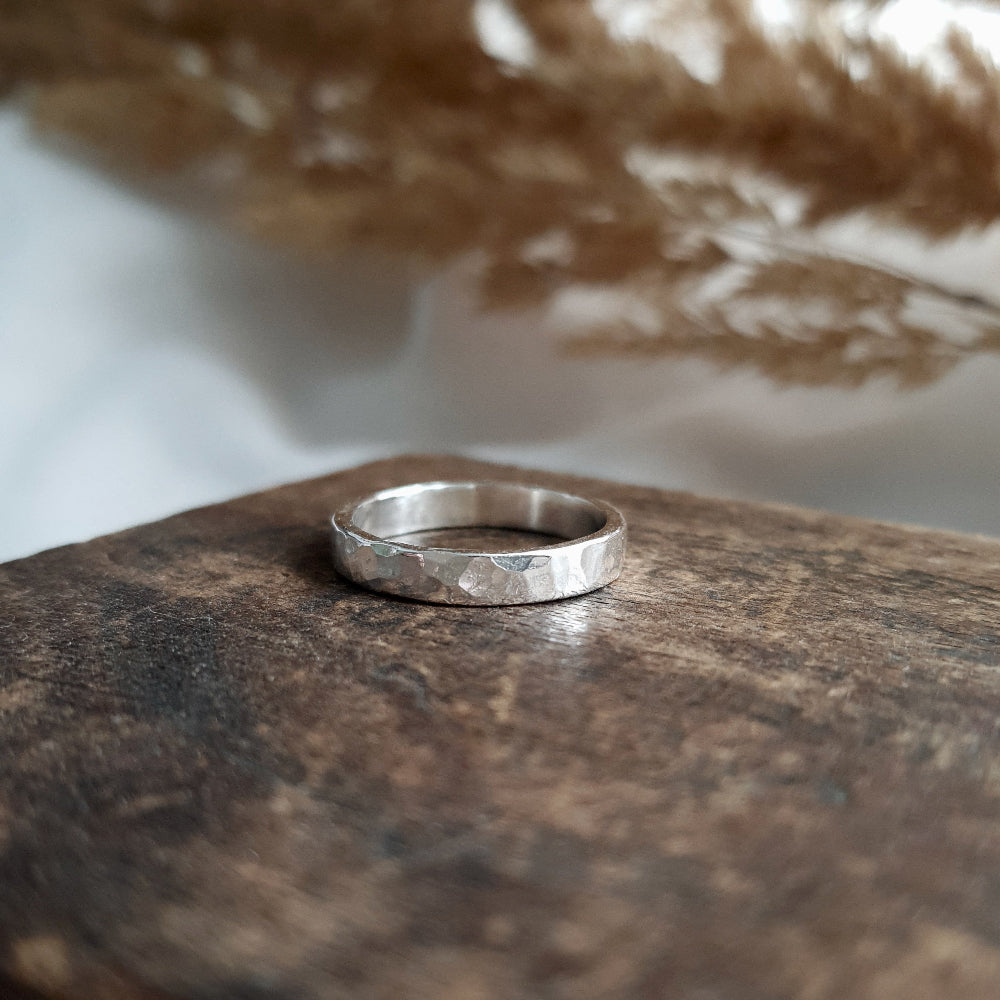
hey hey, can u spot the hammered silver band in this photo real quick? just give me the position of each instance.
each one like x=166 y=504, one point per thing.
x=366 y=548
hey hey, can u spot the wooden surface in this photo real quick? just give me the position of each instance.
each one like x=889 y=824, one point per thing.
x=763 y=764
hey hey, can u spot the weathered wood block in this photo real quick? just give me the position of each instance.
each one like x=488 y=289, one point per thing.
x=763 y=764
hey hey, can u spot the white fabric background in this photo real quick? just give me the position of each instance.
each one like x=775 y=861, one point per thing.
x=149 y=363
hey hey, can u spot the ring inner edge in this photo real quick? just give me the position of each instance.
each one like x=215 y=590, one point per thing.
x=515 y=507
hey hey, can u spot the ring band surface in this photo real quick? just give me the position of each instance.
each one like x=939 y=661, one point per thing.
x=365 y=549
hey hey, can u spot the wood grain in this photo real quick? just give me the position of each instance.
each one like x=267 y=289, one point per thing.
x=763 y=764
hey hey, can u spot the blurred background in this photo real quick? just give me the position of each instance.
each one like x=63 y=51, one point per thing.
x=151 y=362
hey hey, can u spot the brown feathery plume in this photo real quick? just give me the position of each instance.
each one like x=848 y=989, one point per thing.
x=663 y=174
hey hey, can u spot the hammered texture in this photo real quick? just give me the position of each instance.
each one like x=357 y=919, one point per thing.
x=446 y=576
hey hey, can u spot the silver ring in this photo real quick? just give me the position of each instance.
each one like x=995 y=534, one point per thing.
x=365 y=549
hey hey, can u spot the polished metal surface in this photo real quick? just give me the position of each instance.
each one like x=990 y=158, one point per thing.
x=367 y=548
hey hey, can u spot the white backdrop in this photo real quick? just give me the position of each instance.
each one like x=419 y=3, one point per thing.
x=149 y=363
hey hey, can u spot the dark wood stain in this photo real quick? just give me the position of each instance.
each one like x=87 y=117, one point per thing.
x=763 y=764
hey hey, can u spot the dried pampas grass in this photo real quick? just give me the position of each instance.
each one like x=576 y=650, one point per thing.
x=669 y=177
